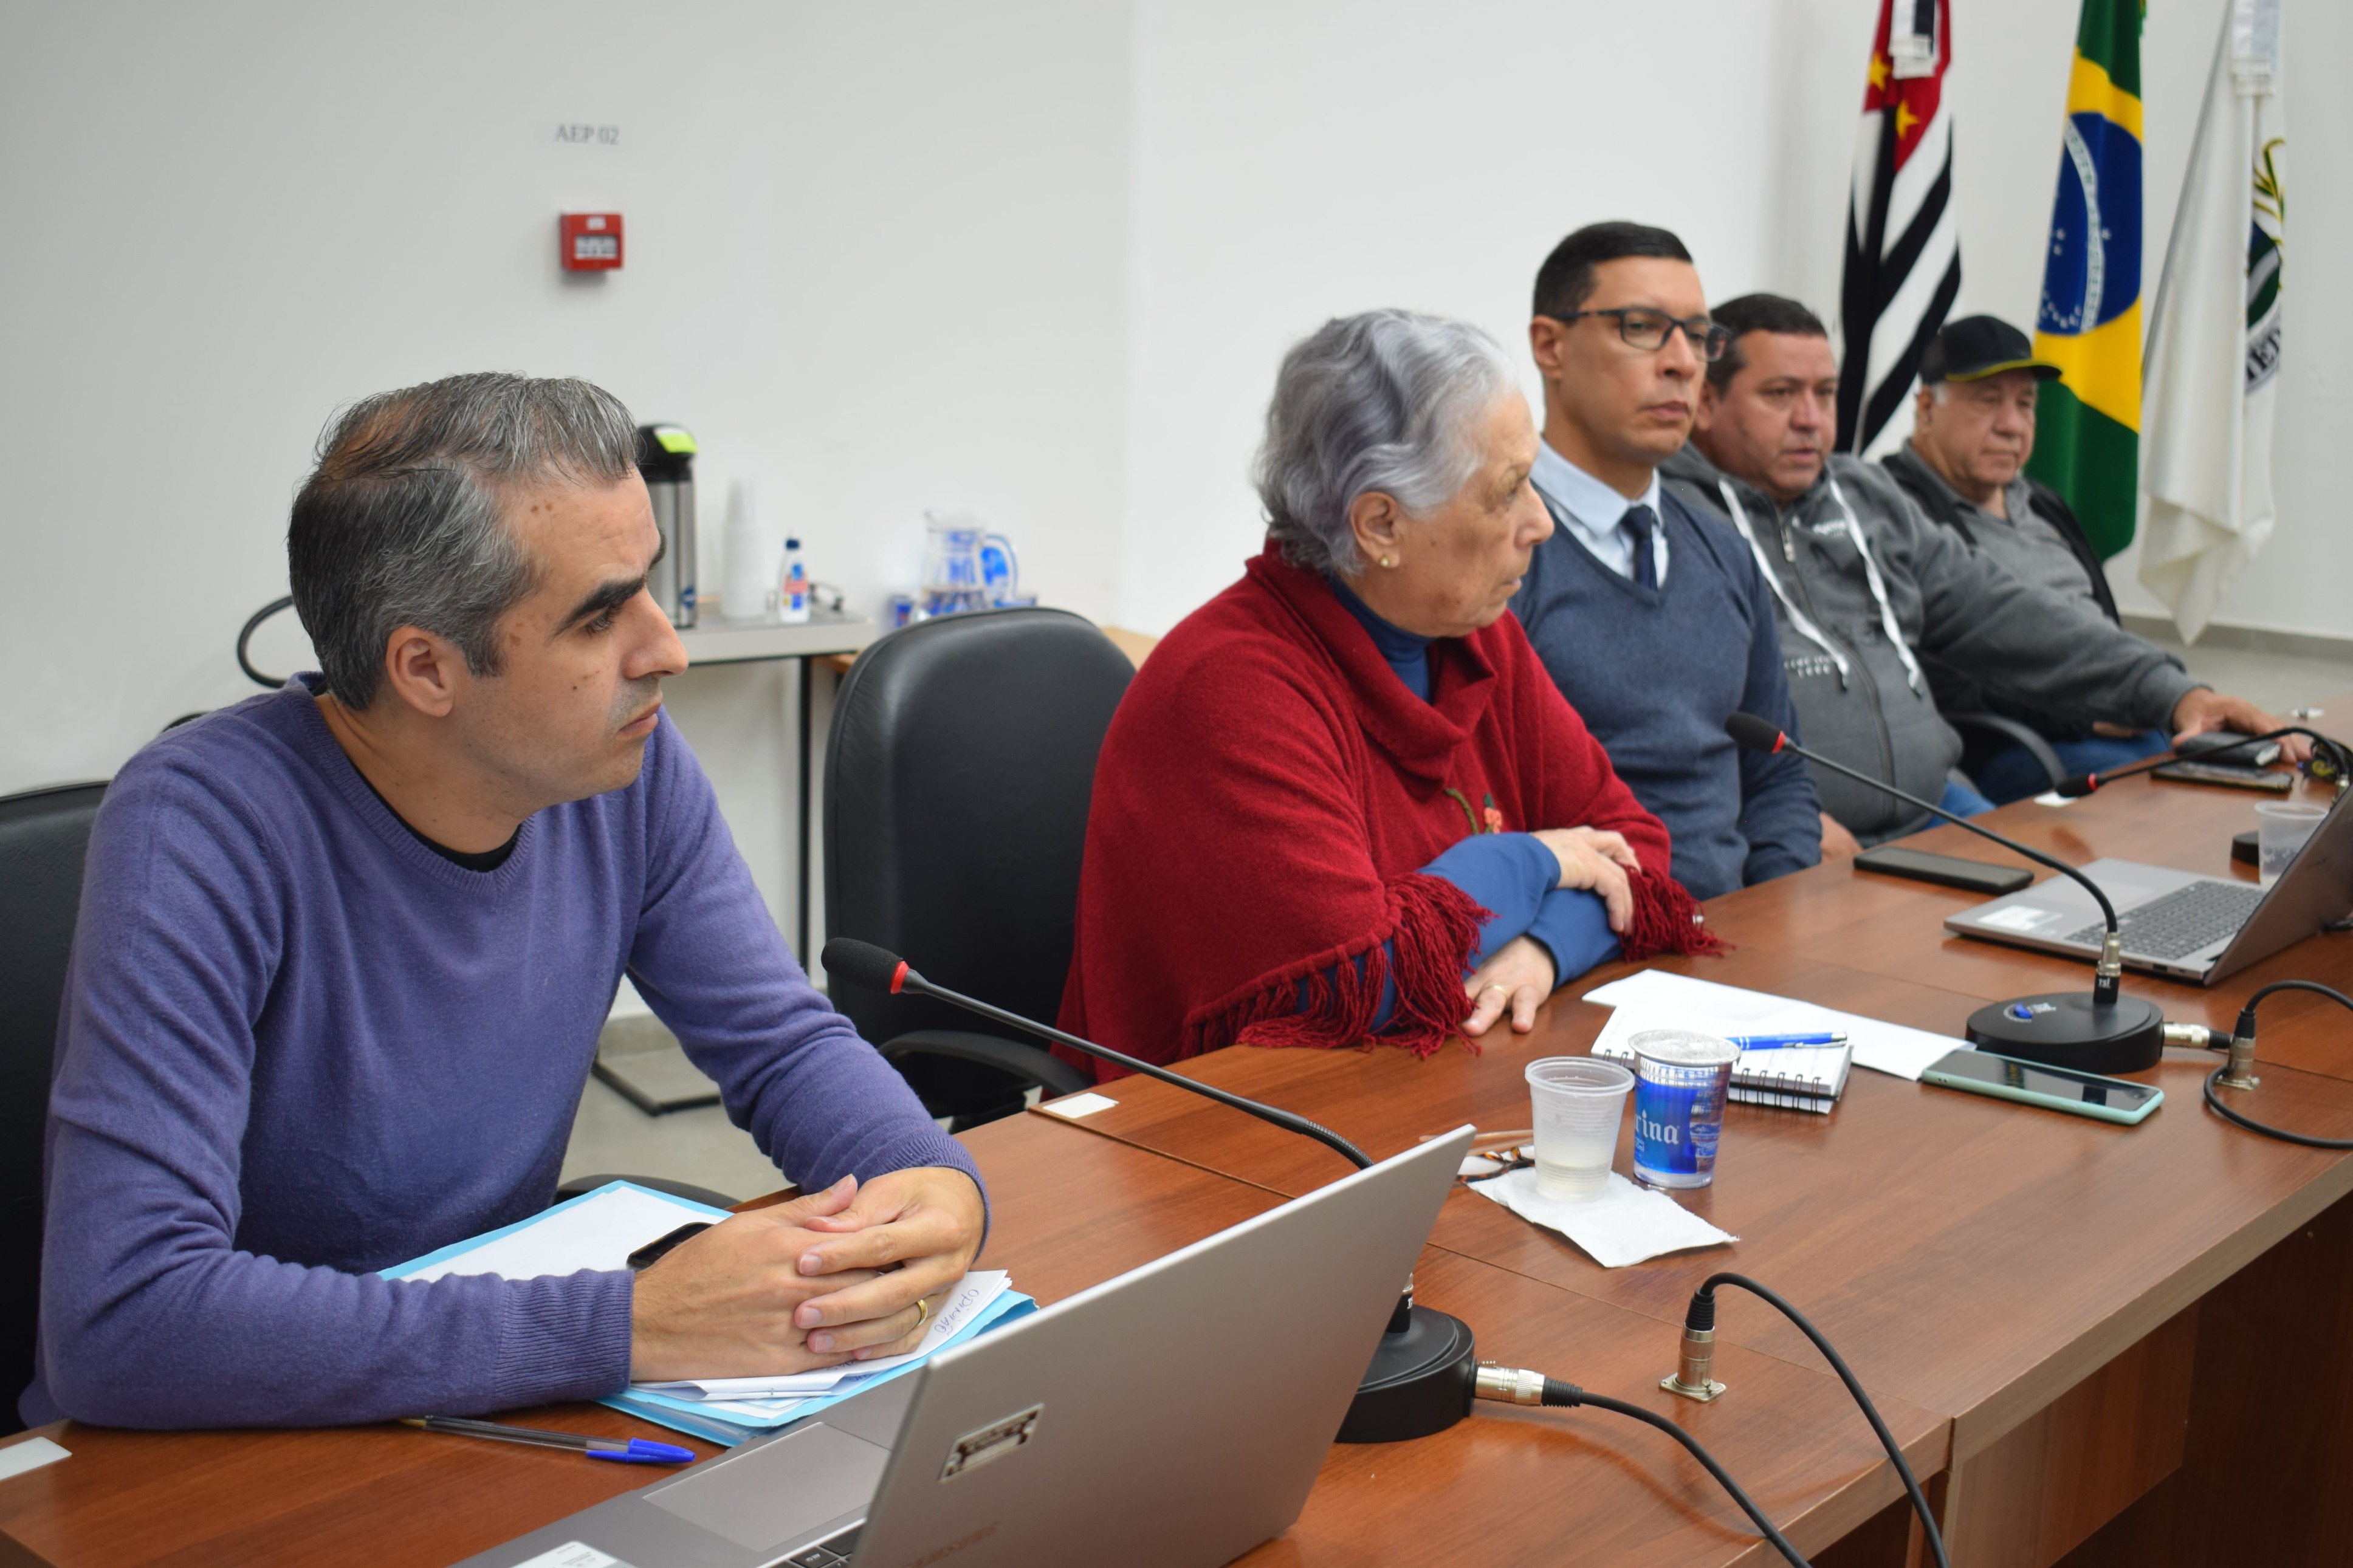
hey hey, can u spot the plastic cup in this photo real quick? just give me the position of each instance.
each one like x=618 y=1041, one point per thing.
x=1680 y=1079
x=2281 y=830
x=1579 y=1102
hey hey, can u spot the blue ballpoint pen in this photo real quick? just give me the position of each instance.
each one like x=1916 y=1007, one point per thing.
x=1781 y=1042
x=634 y=1451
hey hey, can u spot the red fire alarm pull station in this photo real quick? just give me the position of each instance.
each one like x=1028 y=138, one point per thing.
x=591 y=242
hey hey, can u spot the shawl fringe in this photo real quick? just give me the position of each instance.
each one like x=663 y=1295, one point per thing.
x=1666 y=919
x=1432 y=927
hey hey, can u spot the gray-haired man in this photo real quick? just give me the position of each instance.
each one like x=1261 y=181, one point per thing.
x=344 y=950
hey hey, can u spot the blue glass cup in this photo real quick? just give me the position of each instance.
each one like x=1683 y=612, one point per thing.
x=1681 y=1078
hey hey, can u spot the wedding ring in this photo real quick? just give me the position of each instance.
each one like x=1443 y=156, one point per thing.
x=1505 y=989
x=923 y=1311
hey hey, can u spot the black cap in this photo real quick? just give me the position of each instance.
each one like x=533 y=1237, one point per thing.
x=1976 y=347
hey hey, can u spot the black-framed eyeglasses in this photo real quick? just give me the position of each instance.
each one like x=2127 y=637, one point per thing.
x=1648 y=329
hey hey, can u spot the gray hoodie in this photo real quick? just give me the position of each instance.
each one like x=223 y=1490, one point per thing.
x=1871 y=595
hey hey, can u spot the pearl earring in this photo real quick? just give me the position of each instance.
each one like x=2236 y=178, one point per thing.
x=1389 y=560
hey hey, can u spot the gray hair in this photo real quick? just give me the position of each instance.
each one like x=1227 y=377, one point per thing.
x=1385 y=401
x=399 y=524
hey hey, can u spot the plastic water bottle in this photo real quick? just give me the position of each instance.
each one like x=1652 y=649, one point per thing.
x=792 y=587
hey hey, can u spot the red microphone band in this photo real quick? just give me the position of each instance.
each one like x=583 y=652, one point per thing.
x=898 y=977
x=1779 y=741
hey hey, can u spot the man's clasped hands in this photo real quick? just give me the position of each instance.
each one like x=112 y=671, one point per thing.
x=827 y=1278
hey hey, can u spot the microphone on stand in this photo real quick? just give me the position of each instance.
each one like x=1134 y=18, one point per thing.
x=1420 y=1380
x=2105 y=1032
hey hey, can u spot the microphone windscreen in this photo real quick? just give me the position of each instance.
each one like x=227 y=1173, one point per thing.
x=1753 y=732
x=2077 y=787
x=860 y=963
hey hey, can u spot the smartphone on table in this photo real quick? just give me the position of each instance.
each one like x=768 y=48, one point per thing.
x=2056 y=1089
x=1945 y=870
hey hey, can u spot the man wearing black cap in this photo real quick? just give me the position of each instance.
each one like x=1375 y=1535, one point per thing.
x=1965 y=465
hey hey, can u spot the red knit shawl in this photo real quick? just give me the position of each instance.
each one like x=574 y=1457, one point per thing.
x=1266 y=793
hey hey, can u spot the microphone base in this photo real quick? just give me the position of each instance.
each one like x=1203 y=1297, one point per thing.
x=2068 y=1029
x=1419 y=1382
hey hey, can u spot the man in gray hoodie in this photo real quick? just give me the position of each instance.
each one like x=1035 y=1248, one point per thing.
x=1870 y=595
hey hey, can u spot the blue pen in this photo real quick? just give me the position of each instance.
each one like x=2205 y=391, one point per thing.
x=1781 y=1042
x=634 y=1451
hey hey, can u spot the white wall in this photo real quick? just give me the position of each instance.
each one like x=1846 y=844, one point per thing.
x=1301 y=161
x=875 y=259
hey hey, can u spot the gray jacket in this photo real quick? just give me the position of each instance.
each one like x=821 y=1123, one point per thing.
x=1864 y=617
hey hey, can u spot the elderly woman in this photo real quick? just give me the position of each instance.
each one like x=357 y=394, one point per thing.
x=1343 y=801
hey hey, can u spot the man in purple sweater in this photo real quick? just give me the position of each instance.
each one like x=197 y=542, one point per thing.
x=344 y=950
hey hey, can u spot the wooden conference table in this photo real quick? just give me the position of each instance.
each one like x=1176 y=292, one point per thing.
x=2096 y=1344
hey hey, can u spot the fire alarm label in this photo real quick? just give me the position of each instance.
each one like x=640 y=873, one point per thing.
x=591 y=242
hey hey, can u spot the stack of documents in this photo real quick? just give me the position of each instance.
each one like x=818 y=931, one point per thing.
x=728 y=1410
x=1654 y=999
x=598 y=1231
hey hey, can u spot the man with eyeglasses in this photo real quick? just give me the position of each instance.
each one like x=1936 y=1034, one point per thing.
x=1874 y=599
x=1648 y=613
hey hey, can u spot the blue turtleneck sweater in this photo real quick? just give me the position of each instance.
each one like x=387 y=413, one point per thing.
x=1511 y=874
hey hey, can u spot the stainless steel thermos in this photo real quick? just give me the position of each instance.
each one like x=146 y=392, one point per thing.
x=666 y=457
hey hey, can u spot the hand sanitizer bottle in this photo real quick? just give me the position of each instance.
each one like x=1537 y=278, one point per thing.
x=792 y=587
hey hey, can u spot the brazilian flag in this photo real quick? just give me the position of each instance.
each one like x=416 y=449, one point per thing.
x=2088 y=440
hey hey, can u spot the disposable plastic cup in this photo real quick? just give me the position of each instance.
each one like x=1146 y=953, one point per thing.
x=1578 y=1103
x=1680 y=1079
x=2281 y=830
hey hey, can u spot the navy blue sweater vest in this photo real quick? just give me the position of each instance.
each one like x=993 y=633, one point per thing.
x=1655 y=672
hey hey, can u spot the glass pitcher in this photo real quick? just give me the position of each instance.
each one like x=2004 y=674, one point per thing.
x=966 y=566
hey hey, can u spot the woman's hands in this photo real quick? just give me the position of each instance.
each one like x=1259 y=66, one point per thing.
x=1597 y=861
x=1518 y=977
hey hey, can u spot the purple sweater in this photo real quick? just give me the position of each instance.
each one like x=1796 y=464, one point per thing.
x=297 y=1046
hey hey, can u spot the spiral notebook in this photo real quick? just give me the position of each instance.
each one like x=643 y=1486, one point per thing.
x=1798 y=1078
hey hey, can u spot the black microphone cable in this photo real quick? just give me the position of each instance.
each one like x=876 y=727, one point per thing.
x=246 y=636
x=1515 y=1386
x=1699 y=1343
x=2241 y=1044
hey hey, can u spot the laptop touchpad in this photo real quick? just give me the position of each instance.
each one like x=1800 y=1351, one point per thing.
x=795 y=1482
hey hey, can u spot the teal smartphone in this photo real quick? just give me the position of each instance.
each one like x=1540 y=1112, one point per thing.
x=2056 y=1089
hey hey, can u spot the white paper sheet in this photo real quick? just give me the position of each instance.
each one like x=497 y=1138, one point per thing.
x=1891 y=1049
x=1624 y=1224
x=599 y=1232
x=30 y=1454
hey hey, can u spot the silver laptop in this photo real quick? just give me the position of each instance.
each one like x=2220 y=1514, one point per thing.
x=1175 y=1415
x=2178 y=924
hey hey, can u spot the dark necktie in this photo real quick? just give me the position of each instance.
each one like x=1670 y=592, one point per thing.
x=1639 y=523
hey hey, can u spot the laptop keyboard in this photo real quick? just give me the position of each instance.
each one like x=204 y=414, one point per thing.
x=2180 y=922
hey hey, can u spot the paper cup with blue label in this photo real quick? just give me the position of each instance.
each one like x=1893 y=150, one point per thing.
x=1680 y=1079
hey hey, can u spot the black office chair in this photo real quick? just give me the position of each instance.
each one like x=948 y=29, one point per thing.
x=1983 y=734
x=956 y=785
x=44 y=838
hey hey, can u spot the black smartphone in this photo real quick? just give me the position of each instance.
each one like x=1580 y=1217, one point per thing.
x=1946 y=870
x=2222 y=746
x=2228 y=773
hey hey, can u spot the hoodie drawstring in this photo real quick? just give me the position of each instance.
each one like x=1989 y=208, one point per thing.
x=1887 y=622
x=1804 y=627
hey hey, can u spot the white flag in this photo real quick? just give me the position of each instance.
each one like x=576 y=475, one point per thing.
x=2214 y=345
